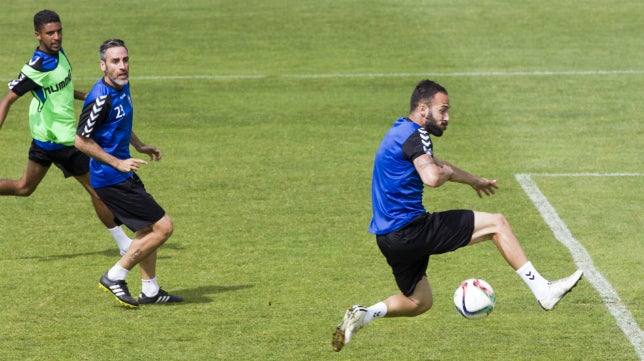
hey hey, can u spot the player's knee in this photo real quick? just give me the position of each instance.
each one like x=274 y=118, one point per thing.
x=164 y=227
x=24 y=190
x=501 y=222
x=424 y=306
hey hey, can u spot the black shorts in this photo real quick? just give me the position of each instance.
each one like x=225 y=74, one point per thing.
x=131 y=204
x=407 y=249
x=70 y=160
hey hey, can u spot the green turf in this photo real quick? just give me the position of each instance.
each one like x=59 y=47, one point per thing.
x=267 y=179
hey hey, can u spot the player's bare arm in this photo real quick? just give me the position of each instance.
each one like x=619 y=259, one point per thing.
x=152 y=151
x=432 y=172
x=435 y=170
x=8 y=99
x=92 y=149
x=479 y=184
x=79 y=95
x=484 y=186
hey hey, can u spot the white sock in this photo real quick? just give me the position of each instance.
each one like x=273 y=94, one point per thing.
x=538 y=285
x=378 y=310
x=117 y=273
x=122 y=240
x=150 y=288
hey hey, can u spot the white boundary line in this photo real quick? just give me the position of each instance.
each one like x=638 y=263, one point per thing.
x=588 y=174
x=582 y=258
x=386 y=75
x=469 y=74
x=382 y=75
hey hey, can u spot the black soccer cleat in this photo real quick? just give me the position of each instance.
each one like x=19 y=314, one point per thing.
x=161 y=297
x=119 y=290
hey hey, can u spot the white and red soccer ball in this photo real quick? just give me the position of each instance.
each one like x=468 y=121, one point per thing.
x=474 y=298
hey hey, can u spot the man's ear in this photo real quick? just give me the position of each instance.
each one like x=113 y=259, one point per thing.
x=423 y=109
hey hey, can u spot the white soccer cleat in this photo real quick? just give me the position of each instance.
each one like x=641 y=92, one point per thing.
x=558 y=289
x=352 y=321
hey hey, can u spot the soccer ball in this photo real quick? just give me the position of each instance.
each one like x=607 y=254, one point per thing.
x=474 y=298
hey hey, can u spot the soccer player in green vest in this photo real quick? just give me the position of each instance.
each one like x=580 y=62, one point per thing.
x=48 y=76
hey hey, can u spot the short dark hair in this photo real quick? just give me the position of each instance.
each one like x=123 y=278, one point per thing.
x=424 y=92
x=110 y=43
x=45 y=17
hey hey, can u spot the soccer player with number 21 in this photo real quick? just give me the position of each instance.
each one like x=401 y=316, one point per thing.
x=105 y=134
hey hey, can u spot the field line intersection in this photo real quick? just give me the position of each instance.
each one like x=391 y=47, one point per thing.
x=582 y=258
x=622 y=315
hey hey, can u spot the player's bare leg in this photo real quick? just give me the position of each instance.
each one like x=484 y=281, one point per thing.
x=146 y=242
x=105 y=215
x=398 y=305
x=27 y=184
x=495 y=227
x=152 y=237
x=142 y=251
x=418 y=303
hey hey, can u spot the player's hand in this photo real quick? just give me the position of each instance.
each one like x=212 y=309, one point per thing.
x=485 y=186
x=152 y=151
x=130 y=165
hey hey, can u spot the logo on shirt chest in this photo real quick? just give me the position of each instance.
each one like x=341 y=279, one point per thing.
x=59 y=86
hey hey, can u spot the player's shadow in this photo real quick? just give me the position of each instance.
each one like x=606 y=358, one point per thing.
x=112 y=253
x=203 y=294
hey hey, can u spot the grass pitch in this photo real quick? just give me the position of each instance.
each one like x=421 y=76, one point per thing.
x=269 y=114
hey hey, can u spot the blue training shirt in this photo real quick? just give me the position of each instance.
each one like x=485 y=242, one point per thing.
x=396 y=187
x=107 y=118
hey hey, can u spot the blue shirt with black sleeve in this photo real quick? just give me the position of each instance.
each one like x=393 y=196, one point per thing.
x=107 y=119
x=396 y=188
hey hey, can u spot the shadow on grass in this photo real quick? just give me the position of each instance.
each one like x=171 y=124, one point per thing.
x=112 y=253
x=202 y=294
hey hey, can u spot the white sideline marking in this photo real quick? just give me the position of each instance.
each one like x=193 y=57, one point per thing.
x=468 y=74
x=381 y=75
x=164 y=77
x=588 y=174
x=580 y=255
x=384 y=75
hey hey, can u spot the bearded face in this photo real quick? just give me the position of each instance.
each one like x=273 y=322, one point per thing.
x=437 y=116
x=433 y=126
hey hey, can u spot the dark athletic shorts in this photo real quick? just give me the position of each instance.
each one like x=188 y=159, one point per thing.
x=131 y=204
x=70 y=160
x=407 y=249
